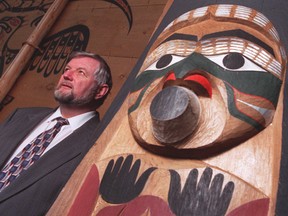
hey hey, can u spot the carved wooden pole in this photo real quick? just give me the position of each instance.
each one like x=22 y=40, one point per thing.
x=15 y=68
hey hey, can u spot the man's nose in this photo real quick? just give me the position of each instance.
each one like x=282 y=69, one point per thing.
x=68 y=75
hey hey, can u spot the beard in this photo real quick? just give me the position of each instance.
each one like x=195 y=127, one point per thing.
x=69 y=98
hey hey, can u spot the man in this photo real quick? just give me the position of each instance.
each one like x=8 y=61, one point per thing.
x=36 y=183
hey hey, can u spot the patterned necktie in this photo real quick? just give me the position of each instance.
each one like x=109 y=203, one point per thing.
x=31 y=153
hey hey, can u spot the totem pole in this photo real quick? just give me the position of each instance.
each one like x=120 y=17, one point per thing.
x=200 y=131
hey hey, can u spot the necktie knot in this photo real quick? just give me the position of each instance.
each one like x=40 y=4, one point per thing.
x=60 y=122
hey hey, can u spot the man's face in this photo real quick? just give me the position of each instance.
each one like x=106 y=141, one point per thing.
x=77 y=86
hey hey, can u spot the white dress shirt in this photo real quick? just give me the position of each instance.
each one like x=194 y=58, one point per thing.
x=74 y=123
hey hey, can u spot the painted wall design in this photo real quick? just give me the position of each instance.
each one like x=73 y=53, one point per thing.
x=12 y=23
x=84 y=29
x=16 y=16
x=53 y=52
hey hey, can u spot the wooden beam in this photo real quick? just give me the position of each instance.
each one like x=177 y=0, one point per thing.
x=15 y=68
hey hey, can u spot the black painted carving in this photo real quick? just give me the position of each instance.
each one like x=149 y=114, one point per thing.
x=120 y=184
x=8 y=99
x=164 y=61
x=233 y=61
x=203 y=199
x=8 y=26
x=24 y=6
x=54 y=50
x=125 y=7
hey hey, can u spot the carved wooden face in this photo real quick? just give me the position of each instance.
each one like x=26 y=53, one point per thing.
x=212 y=79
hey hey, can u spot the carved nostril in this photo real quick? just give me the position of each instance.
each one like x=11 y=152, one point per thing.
x=175 y=113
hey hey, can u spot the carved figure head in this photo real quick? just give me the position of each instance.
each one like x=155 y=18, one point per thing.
x=210 y=81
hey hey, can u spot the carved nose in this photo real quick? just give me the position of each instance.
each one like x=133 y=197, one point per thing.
x=175 y=113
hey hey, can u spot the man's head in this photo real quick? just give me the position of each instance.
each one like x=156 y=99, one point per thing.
x=85 y=82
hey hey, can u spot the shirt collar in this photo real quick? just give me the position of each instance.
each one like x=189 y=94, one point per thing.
x=76 y=121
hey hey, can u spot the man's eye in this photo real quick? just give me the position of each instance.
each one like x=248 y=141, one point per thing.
x=82 y=73
x=164 y=62
x=235 y=62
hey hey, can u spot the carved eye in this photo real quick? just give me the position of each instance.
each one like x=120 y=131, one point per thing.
x=164 y=62
x=235 y=62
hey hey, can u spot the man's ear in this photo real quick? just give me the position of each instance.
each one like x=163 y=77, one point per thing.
x=102 y=91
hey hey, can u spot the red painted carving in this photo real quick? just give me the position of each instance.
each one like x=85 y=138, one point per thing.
x=144 y=205
x=87 y=196
x=256 y=207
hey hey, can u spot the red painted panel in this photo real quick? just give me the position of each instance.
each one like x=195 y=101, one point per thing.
x=87 y=196
x=144 y=205
x=256 y=207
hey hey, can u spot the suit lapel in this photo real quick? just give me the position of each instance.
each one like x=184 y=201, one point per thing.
x=11 y=137
x=79 y=142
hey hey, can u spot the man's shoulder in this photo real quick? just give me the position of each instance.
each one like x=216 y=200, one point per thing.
x=34 y=109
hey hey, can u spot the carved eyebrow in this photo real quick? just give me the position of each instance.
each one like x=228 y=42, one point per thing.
x=241 y=34
x=234 y=33
x=178 y=36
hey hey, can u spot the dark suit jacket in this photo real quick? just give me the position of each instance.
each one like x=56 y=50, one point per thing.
x=35 y=190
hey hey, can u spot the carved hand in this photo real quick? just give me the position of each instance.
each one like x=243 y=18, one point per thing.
x=202 y=198
x=119 y=183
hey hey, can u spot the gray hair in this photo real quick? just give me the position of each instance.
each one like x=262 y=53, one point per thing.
x=103 y=74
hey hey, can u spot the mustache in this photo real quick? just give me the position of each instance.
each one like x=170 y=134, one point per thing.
x=64 y=83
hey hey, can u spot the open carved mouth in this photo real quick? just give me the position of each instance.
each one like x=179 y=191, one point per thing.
x=196 y=82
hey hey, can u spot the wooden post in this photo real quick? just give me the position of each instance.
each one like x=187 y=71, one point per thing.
x=15 y=68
